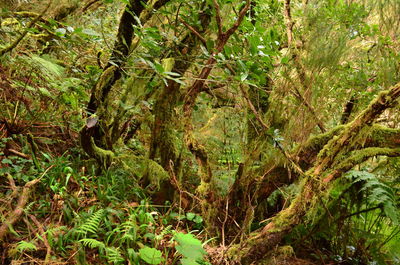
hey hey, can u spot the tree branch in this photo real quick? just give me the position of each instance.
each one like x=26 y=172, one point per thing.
x=195 y=32
x=30 y=24
x=218 y=17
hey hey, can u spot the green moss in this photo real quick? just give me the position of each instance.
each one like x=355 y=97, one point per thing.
x=359 y=156
x=155 y=173
x=105 y=157
x=316 y=142
x=168 y=64
x=105 y=79
x=141 y=166
x=204 y=188
x=383 y=136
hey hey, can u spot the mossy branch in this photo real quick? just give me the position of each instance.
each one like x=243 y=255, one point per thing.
x=20 y=38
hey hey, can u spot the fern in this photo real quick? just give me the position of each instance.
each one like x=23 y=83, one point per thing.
x=114 y=255
x=47 y=67
x=377 y=192
x=92 y=223
x=92 y=243
x=24 y=245
x=129 y=229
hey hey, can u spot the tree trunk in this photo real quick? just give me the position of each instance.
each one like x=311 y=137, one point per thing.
x=96 y=137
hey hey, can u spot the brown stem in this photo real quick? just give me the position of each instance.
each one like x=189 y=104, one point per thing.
x=195 y=32
x=43 y=234
x=289 y=22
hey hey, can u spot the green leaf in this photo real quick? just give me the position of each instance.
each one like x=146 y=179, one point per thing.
x=159 y=68
x=189 y=246
x=151 y=255
x=23 y=245
x=6 y=161
x=45 y=92
x=391 y=212
x=198 y=219
x=285 y=60
x=190 y=216
x=244 y=76
x=187 y=261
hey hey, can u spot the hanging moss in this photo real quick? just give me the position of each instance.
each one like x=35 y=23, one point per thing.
x=103 y=156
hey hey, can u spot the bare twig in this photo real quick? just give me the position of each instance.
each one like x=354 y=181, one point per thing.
x=15 y=152
x=302 y=75
x=289 y=22
x=45 y=241
x=294 y=165
x=224 y=222
x=218 y=17
x=242 y=13
x=19 y=209
x=310 y=108
x=12 y=186
x=195 y=32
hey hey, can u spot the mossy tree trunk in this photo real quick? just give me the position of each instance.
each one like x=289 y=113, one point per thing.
x=166 y=146
x=97 y=134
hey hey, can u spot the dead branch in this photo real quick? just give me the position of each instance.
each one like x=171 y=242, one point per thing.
x=15 y=152
x=43 y=234
x=319 y=177
x=198 y=86
x=12 y=186
x=19 y=209
x=289 y=22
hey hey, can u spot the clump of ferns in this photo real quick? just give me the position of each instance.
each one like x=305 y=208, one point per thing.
x=91 y=227
x=134 y=228
x=369 y=192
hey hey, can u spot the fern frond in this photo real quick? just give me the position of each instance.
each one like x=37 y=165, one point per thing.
x=92 y=223
x=114 y=255
x=92 y=243
x=24 y=246
x=377 y=192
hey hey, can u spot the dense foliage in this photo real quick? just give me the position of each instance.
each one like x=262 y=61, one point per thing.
x=199 y=132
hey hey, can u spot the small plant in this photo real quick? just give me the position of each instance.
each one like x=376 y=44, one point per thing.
x=190 y=248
